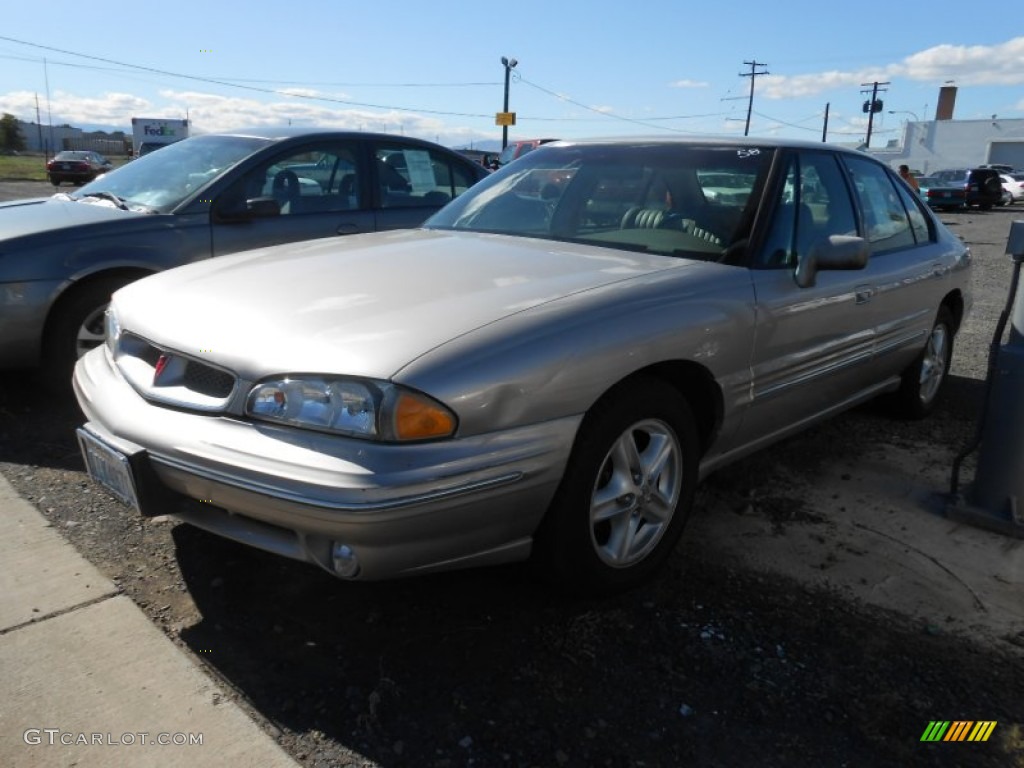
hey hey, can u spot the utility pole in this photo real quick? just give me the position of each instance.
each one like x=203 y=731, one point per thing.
x=752 y=74
x=824 y=127
x=506 y=118
x=39 y=126
x=875 y=105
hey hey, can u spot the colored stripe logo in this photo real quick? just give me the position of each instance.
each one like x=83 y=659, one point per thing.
x=959 y=730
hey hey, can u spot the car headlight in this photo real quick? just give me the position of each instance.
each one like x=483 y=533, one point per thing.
x=111 y=328
x=377 y=410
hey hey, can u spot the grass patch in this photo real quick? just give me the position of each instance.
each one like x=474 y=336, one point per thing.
x=23 y=167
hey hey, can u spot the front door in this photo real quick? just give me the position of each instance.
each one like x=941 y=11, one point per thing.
x=318 y=188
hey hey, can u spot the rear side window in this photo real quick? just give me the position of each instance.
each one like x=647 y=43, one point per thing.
x=887 y=225
x=413 y=176
x=920 y=222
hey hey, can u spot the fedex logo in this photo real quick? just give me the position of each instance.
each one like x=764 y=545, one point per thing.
x=163 y=130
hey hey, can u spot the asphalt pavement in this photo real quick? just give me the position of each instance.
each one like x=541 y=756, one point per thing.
x=89 y=680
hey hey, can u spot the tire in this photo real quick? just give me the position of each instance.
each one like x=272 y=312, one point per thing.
x=626 y=493
x=55 y=182
x=924 y=380
x=75 y=327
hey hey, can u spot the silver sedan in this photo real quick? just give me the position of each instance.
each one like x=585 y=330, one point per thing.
x=547 y=369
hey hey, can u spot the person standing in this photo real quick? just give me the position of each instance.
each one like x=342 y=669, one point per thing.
x=908 y=177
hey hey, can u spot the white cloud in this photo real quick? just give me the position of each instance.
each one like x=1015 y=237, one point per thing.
x=107 y=109
x=211 y=113
x=688 y=84
x=1001 y=64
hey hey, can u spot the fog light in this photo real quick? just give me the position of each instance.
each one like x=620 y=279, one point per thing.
x=346 y=564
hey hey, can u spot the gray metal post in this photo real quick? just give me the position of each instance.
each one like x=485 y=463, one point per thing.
x=997 y=495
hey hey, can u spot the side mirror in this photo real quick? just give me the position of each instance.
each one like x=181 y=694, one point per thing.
x=263 y=207
x=253 y=208
x=834 y=252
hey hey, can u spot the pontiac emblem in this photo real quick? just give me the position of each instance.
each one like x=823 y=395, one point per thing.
x=161 y=363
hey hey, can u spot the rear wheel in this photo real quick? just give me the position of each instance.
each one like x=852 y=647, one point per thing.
x=626 y=493
x=924 y=379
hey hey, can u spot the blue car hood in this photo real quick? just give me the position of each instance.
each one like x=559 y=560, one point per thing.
x=20 y=218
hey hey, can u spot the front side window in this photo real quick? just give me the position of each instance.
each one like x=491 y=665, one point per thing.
x=309 y=179
x=813 y=204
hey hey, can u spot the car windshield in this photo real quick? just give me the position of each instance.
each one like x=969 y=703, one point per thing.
x=160 y=181
x=669 y=199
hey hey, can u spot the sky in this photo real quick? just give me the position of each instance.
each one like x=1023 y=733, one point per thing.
x=434 y=71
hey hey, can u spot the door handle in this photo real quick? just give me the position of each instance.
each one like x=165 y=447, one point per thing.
x=347 y=229
x=864 y=293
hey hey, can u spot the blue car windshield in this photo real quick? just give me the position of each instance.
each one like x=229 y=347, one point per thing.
x=160 y=181
x=687 y=200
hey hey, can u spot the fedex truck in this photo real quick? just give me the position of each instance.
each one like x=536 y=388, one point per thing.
x=149 y=133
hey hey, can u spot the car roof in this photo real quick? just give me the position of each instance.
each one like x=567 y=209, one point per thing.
x=705 y=140
x=284 y=133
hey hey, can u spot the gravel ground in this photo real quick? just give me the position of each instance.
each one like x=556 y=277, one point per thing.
x=714 y=663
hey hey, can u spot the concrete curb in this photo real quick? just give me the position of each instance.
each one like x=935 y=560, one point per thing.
x=89 y=681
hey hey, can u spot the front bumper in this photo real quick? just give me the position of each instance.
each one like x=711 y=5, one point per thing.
x=401 y=509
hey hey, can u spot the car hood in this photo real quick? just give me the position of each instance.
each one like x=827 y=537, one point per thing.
x=21 y=218
x=361 y=305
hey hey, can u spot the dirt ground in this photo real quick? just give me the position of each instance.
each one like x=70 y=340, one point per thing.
x=820 y=610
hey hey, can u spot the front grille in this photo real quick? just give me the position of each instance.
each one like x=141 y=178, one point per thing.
x=206 y=380
x=166 y=376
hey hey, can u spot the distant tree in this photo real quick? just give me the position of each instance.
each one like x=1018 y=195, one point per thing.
x=10 y=133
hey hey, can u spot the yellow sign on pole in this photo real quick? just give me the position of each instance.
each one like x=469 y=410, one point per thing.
x=505 y=118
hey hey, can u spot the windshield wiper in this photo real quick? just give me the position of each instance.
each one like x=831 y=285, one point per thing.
x=104 y=195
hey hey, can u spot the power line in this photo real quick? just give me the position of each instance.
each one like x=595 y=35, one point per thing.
x=242 y=86
x=611 y=115
x=253 y=85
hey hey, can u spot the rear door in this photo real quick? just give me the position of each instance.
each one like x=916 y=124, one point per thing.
x=907 y=265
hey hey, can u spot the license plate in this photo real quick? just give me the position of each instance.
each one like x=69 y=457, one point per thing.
x=108 y=467
x=947 y=194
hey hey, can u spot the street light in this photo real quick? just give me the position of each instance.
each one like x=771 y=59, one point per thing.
x=509 y=65
x=904 y=112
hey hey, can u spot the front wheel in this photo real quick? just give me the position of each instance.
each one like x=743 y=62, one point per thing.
x=626 y=492
x=77 y=326
x=924 y=379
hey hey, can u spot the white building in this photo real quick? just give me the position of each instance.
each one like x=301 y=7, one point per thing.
x=933 y=145
x=936 y=144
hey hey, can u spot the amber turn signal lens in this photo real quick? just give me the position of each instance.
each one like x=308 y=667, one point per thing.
x=417 y=418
